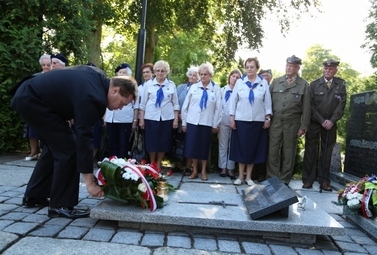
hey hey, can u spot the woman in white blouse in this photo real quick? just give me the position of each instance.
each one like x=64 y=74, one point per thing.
x=250 y=112
x=159 y=112
x=201 y=112
x=227 y=166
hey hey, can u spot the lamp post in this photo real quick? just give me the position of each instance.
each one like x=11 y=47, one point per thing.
x=141 y=43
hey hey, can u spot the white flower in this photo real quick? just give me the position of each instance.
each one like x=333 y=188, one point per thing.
x=118 y=161
x=142 y=187
x=356 y=195
x=128 y=174
x=353 y=203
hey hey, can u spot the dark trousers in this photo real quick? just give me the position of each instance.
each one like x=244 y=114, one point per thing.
x=315 y=138
x=55 y=174
x=119 y=135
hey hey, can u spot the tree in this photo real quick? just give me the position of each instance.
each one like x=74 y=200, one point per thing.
x=371 y=34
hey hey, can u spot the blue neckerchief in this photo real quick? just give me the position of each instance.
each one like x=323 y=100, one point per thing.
x=204 y=99
x=159 y=95
x=227 y=95
x=251 y=93
x=188 y=86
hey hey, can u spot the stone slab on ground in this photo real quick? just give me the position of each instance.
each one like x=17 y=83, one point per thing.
x=198 y=212
x=6 y=239
x=38 y=245
x=368 y=225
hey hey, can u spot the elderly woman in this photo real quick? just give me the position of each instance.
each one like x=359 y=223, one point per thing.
x=250 y=112
x=182 y=90
x=159 y=112
x=201 y=113
x=227 y=166
x=119 y=122
x=45 y=63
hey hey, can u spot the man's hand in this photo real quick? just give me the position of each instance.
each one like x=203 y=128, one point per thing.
x=93 y=189
x=300 y=133
x=327 y=124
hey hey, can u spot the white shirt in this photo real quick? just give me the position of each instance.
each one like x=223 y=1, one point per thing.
x=126 y=115
x=169 y=103
x=209 y=116
x=140 y=92
x=225 y=120
x=240 y=106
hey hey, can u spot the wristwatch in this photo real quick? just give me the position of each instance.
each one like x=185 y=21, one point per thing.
x=268 y=119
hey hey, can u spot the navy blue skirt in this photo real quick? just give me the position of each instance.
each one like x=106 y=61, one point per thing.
x=249 y=143
x=197 y=141
x=158 y=135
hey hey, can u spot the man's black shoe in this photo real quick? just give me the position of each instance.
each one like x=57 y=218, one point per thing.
x=67 y=213
x=35 y=202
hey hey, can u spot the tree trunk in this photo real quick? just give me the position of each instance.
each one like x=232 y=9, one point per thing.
x=94 y=41
x=150 y=45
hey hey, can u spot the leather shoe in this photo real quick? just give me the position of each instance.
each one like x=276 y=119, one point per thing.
x=307 y=185
x=35 y=202
x=326 y=187
x=65 y=212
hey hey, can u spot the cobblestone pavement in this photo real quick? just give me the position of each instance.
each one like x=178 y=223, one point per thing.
x=30 y=231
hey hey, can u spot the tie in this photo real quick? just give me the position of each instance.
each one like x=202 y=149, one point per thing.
x=160 y=96
x=289 y=81
x=329 y=84
x=204 y=99
x=251 y=93
x=227 y=95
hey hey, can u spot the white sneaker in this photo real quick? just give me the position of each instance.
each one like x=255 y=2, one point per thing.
x=30 y=158
x=238 y=182
x=250 y=182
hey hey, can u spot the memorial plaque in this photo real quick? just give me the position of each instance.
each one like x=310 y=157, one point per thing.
x=361 y=142
x=270 y=196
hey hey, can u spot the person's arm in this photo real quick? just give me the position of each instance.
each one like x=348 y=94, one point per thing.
x=93 y=189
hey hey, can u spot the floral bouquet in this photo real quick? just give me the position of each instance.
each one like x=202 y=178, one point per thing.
x=125 y=181
x=360 y=196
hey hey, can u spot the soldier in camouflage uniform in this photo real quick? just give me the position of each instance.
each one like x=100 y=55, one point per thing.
x=328 y=99
x=290 y=120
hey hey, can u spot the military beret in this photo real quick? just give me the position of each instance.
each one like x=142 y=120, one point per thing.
x=122 y=66
x=265 y=71
x=294 y=60
x=331 y=62
x=61 y=57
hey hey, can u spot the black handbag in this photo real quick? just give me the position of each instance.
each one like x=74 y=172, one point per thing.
x=176 y=152
x=138 y=148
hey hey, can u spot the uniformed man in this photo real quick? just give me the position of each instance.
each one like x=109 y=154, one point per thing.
x=290 y=120
x=266 y=74
x=328 y=99
x=45 y=102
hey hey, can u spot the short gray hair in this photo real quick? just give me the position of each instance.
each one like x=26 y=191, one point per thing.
x=162 y=64
x=207 y=66
x=192 y=69
x=45 y=56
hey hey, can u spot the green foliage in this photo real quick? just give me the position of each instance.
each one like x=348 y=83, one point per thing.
x=371 y=34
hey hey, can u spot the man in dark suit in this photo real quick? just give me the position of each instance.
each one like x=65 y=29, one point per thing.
x=328 y=99
x=46 y=102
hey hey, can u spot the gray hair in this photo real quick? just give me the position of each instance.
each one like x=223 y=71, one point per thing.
x=162 y=64
x=45 y=56
x=192 y=69
x=58 y=60
x=208 y=67
x=128 y=71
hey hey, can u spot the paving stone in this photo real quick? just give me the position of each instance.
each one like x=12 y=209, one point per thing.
x=43 y=210
x=21 y=228
x=180 y=251
x=6 y=239
x=354 y=232
x=347 y=224
x=14 y=216
x=6 y=188
x=279 y=249
x=37 y=218
x=372 y=249
x=153 y=239
x=327 y=252
x=47 y=231
x=7 y=207
x=84 y=222
x=88 y=202
x=179 y=241
x=72 y=232
x=207 y=244
x=127 y=237
x=256 y=248
x=11 y=193
x=15 y=201
x=102 y=235
x=3 y=199
x=303 y=251
x=229 y=246
x=344 y=238
x=39 y=245
x=5 y=223
x=58 y=221
x=350 y=247
x=26 y=209
x=362 y=240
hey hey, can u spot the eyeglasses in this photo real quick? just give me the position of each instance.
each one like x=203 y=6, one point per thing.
x=147 y=72
x=159 y=71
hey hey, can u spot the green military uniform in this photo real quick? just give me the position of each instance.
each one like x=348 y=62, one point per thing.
x=327 y=103
x=291 y=112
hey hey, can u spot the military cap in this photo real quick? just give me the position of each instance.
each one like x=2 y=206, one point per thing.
x=265 y=71
x=331 y=62
x=122 y=66
x=294 y=60
x=61 y=57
